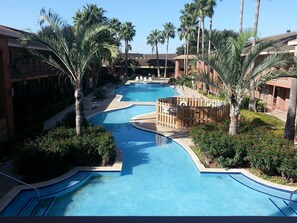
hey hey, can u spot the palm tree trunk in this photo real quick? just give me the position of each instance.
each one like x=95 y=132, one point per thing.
x=241 y=15
x=234 y=115
x=289 y=132
x=252 y=102
x=202 y=22
x=198 y=39
x=158 y=65
x=166 y=57
x=126 y=57
x=78 y=95
x=187 y=57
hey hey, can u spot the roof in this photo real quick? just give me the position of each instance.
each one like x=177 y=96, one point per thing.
x=10 y=32
x=282 y=42
x=149 y=56
x=142 y=63
x=182 y=57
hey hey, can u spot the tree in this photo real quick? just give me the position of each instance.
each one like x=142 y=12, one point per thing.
x=153 y=39
x=116 y=25
x=202 y=7
x=252 y=102
x=289 y=132
x=236 y=71
x=127 y=33
x=241 y=15
x=168 y=32
x=90 y=15
x=72 y=49
x=187 y=31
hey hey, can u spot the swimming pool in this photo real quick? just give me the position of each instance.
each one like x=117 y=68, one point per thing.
x=145 y=92
x=158 y=179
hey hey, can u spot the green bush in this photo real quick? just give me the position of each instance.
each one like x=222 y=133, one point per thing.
x=59 y=150
x=260 y=105
x=256 y=145
x=214 y=141
x=273 y=155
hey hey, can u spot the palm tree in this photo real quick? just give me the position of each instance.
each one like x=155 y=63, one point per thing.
x=116 y=25
x=289 y=132
x=187 y=31
x=90 y=15
x=153 y=39
x=168 y=32
x=241 y=15
x=73 y=51
x=210 y=13
x=252 y=102
x=127 y=33
x=202 y=7
x=236 y=72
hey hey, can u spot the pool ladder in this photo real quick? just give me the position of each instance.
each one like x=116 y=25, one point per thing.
x=19 y=181
x=291 y=196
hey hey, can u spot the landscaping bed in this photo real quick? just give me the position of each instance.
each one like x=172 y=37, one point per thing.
x=259 y=146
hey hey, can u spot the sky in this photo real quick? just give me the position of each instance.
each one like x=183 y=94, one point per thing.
x=276 y=16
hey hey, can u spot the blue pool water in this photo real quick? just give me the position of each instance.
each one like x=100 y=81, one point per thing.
x=158 y=179
x=145 y=92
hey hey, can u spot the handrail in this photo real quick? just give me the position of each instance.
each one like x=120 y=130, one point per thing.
x=291 y=196
x=28 y=185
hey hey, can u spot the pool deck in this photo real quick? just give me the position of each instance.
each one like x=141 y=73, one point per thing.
x=145 y=122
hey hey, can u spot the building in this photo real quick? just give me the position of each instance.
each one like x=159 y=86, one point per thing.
x=275 y=93
x=27 y=86
x=146 y=64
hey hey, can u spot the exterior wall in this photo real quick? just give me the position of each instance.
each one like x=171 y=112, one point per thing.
x=5 y=88
x=275 y=94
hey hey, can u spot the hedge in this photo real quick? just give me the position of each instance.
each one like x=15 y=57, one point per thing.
x=59 y=150
x=255 y=146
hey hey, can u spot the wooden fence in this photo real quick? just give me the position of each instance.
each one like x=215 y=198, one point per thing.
x=184 y=112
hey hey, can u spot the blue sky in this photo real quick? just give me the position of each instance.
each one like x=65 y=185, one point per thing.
x=276 y=16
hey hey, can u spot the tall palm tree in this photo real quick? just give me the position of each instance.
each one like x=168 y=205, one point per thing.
x=210 y=13
x=89 y=15
x=153 y=39
x=73 y=51
x=187 y=29
x=168 y=32
x=236 y=72
x=202 y=7
x=116 y=25
x=241 y=15
x=252 y=102
x=289 y=132
x=127 y=33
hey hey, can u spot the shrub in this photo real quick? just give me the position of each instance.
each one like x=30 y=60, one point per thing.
x=100 y=94
x=274 y=155
x=260 y=105
x=256 y=145
x=59 y=150
x=214 y=141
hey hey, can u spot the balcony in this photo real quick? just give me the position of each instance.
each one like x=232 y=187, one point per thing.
x=31 y=71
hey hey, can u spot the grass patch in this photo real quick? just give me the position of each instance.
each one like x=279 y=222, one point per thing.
x=273 y=179
x=264 y=118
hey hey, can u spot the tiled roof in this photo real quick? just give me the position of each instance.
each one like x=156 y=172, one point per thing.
x=282 y=40
x=10 y=32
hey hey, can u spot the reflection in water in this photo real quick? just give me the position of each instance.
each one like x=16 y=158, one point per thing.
x=161 y=141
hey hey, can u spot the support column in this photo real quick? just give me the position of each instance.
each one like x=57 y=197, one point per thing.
x=176 y=69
